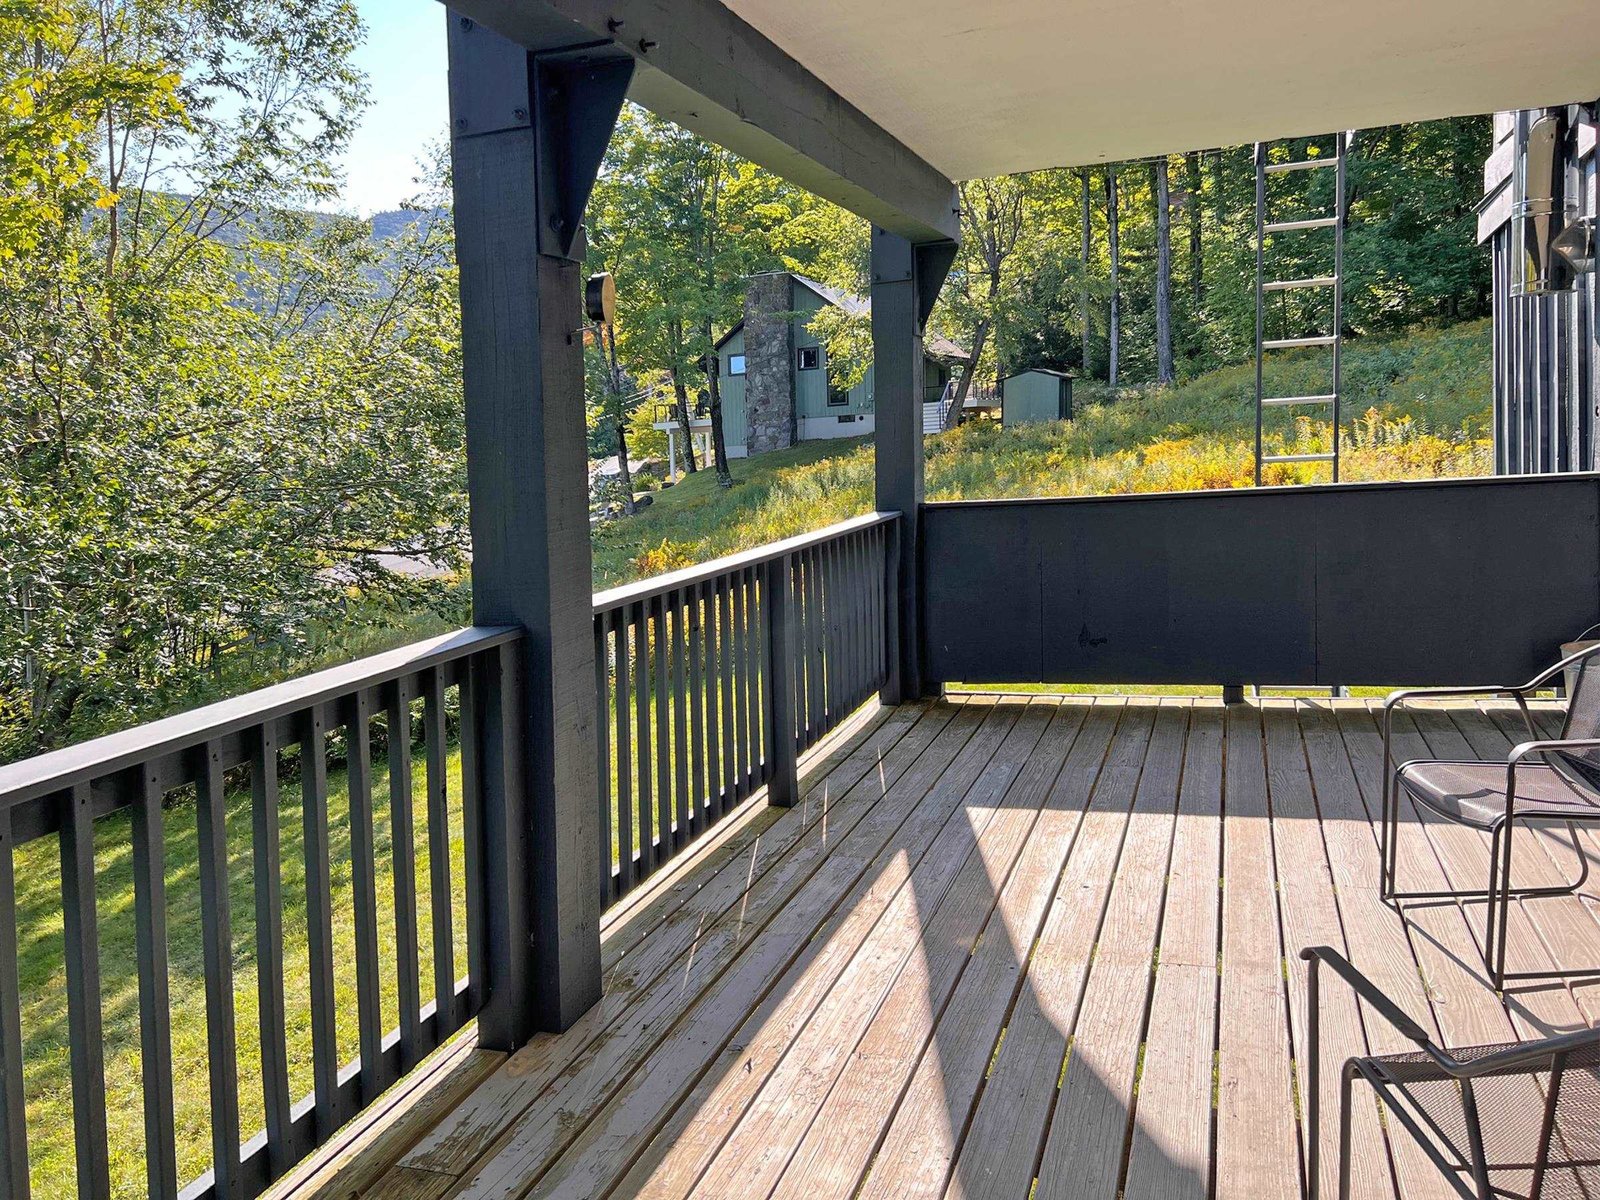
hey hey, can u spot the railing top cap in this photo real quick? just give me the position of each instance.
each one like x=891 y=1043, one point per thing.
x=60 y=769
x=644 y=589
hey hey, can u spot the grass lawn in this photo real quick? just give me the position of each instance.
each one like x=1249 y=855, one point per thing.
x=1417 y=406
x=43 y=976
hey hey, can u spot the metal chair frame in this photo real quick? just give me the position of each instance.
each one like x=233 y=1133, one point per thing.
x=1549 y=1054
x=1499 y=893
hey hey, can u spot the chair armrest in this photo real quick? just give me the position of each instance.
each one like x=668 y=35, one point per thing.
x=1528 y=1054
x=1368 y=991
x=1538 y=681
x=1529 y=749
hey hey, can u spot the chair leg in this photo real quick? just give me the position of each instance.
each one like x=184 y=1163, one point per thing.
x=1345 y=1082
x=1494 y=945
x=1490 y=895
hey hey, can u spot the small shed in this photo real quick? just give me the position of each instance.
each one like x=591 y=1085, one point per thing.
x=1037 y=394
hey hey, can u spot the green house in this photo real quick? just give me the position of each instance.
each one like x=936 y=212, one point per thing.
x=1035 y=395
x=773 y=370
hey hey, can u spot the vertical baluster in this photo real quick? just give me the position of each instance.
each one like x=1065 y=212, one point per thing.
x=155 y=1009
x=602 y=740
x=886 y=602
x=13 y=1109
x=766 y=694
x=796 y=614
x=812 y=639
x=471 y=698
x=444 y=958
x=715 y=748
x=845 y=650
x=832 y=607
x=363 y=872
x=268 y=877
x=216 y=931
x=403 y=858
x=683 y=804
x=861 y=573
x=627 y=872
x=752 y=678
x=319 y=921
x=638 y=618
x=661 y=669
x=86 y=1039
x=738 y=644
x=725 y=644
x=694 y=647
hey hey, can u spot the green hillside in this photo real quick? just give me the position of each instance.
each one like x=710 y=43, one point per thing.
x=1417 y=406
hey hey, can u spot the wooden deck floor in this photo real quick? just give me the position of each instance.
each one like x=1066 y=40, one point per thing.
x=1003 y=940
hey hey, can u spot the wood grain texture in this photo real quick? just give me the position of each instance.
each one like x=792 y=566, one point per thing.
x=1001 y=946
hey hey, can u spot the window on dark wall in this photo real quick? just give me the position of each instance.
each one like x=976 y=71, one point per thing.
x=838 y=397
x=808 y=358
x=735 y=364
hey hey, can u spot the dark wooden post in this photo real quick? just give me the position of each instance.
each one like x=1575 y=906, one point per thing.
x=529 y=125
x=783 y=789
x=906 y=278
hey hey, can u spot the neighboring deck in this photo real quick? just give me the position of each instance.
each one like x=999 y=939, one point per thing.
x=1000 y=939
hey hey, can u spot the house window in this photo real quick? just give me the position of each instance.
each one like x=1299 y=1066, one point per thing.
x=809 y=358
x=837 y=397
x=735 y=364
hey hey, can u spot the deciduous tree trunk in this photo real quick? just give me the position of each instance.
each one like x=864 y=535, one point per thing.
x=1164 y=372
x=1197 y=265
x=685 y=426
x=1083 y=259
x=620 y=413
x=1114 y=331
x=719 y=445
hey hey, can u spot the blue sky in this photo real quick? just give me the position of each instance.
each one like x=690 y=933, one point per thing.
x=404 y=59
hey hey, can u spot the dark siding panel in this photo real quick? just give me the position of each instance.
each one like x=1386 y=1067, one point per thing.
x=1417 y=583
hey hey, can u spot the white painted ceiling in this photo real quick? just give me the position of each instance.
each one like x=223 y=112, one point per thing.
x=985 y=88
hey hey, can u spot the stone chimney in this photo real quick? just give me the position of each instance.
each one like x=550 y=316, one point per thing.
x=769 y=361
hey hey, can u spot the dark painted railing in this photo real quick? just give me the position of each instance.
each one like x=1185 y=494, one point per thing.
x=208 y=753
x=712 y=680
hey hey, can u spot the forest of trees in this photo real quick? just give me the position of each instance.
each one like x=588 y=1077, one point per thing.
x=1128 y=273
x=222 y=408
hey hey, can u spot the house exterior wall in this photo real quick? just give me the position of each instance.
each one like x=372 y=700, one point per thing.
x=769 y=363
x=1546 y=396
x=735 y=419
x=1033 y=396
x=815 y=417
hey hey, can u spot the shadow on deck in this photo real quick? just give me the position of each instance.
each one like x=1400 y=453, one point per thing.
x=1004 y=945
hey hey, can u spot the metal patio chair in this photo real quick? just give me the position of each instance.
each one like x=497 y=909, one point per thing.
x=1520 y=1120
x=1562 y=787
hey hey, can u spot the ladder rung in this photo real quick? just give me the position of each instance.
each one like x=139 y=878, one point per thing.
x=1327 y=399
x=1290 y=458
x=1308 y=223
x=1304 y=164
x=1289 y=285
x=1297 y=343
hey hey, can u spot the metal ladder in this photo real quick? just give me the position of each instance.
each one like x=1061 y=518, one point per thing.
x=1264 y=286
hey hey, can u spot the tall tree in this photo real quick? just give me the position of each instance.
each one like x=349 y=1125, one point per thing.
x=992 y=221
x=1086 y=247
x=222 y=412
x=1197 y=265
x=1164 y=371
x=1114 y=249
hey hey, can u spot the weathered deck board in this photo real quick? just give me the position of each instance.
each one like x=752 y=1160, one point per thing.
x=1170 y=1155
x=1257 y=1148
x=1003 y=945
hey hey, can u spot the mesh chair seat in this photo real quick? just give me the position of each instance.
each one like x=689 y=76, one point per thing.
x=1474 y=793
x=1512 y=1107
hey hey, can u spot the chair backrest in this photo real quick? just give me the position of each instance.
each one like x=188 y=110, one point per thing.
x=1583 y=720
